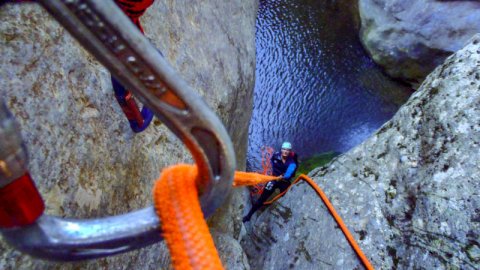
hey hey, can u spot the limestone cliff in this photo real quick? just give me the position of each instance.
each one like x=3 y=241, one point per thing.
x=409 y=193
x=410 y=38
x=83 y=156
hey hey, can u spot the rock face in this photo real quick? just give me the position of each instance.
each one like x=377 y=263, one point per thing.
x=409 y=194
x=83 y=156
x=410 y=38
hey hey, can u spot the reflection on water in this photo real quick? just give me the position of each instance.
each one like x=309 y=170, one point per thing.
x=315 y=85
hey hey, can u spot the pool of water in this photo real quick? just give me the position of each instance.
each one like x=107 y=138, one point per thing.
x=315 y=84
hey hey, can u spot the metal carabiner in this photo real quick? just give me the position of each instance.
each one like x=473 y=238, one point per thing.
x=103 y=29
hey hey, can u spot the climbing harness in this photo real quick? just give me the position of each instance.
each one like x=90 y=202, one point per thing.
x=102 y=28
x=107 y=33
x=139 y=120
x=257 y=190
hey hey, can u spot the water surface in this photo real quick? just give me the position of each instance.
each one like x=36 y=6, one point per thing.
x=315 y=85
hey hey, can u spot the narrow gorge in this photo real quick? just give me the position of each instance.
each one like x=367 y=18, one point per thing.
x=391 y=86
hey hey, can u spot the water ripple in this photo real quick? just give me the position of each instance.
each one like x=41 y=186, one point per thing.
x=315 y=85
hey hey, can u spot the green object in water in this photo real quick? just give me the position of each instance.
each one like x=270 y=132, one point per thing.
x=308 y=164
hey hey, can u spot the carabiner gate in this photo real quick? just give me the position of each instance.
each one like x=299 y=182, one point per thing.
x=102 y=28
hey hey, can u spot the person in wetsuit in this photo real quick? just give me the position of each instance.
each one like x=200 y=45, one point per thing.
x=284 y=163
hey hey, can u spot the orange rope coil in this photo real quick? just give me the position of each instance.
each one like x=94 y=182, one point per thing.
x=185 y=229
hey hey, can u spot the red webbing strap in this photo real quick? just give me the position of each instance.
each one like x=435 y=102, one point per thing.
x=134 y=9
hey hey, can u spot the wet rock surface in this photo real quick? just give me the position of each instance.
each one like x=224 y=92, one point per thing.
x=410 y=38
x=409 y=193
x=83 y=156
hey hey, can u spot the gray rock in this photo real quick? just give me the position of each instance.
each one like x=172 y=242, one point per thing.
x=410 y=38
x=409 y=193
x=83 y=156
x=232 y=255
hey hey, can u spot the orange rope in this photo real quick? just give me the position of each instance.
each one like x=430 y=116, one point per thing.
x=257 y=188
x=267 y=153
x=338 y=219
x=249 y=179
x=274 y=199
x=185 y=229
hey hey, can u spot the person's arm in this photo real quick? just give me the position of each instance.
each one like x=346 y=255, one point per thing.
x=289 y=173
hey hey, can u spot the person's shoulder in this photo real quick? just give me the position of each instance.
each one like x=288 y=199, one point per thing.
x=294 y=156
